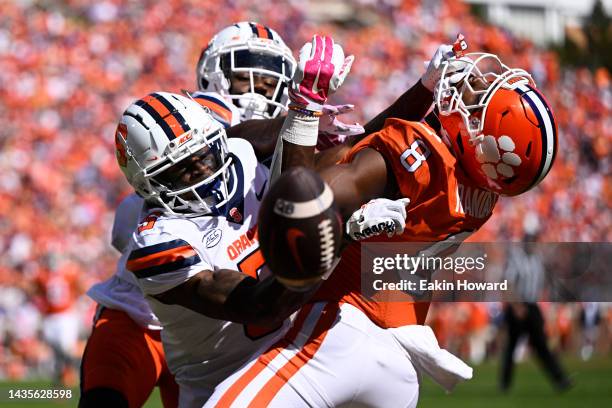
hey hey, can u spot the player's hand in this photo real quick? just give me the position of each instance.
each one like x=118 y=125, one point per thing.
x=322 y=68
x=330 y=123
x=445 y=52
x=378 y=216
x=333 y=131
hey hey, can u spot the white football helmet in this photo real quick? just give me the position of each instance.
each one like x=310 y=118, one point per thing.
x=247 y=48
x=155 y=134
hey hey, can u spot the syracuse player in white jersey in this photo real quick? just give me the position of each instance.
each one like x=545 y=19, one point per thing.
x=242 y=74
x=497 y=136
x=196 y=256
x=246 y=66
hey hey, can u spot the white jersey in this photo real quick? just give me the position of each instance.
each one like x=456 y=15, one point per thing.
x=126 y=220
x=121 y=291
x=170 y=249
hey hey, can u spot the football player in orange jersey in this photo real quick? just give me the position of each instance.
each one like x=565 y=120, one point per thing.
x=497 y=136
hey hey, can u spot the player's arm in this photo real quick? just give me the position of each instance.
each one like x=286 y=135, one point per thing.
x=233 y=296
x=298 y=134
x=411 y=106
x=416 y=101
x=366 y=177
x=261 y=133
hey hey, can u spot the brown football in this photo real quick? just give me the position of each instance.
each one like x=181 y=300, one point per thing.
x=299 y=227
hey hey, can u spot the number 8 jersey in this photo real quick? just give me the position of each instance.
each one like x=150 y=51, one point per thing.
x=445 y=207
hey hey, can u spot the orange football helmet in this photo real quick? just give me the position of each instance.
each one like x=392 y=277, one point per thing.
x=501 y=129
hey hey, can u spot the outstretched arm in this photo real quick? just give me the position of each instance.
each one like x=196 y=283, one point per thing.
x=233 y=296
x=412 y=106
x=416 y=101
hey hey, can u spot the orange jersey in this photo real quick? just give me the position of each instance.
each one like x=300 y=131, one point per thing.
x=58 y=290
x=444 y=203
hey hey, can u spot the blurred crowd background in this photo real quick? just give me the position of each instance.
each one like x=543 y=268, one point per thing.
x=69 y=68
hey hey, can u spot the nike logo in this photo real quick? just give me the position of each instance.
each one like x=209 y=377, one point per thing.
x=259 y=195
x=292 y=235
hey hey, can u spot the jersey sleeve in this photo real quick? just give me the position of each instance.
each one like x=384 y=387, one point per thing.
x=224 y=112
x=406 y=147
x=162 y=260
x=125 y=222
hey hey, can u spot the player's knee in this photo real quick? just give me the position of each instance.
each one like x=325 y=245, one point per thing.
x=103 y=397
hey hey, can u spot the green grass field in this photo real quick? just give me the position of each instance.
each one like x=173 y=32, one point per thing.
x=593 y=388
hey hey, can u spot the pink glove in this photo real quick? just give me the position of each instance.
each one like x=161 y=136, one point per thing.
x=322 y=68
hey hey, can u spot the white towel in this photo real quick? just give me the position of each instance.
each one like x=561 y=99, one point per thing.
x=427 y=357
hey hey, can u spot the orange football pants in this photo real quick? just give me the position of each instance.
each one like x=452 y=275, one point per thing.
x=122 y=355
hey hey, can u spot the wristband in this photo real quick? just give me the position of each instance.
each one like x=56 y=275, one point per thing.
x=305 y=111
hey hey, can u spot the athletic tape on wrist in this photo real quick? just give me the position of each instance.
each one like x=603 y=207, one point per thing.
x=300 y=129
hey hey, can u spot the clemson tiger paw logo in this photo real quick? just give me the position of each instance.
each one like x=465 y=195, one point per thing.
x=497 y=156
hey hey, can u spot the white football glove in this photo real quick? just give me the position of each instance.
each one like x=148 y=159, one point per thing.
x=330 y=123
x=332 y=130
x=378 y=216
x=321 y=70
x=445 y=52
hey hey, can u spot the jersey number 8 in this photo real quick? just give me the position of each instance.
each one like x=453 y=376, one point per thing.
x=413 y=157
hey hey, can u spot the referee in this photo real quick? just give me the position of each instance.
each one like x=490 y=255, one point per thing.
x=525 y=272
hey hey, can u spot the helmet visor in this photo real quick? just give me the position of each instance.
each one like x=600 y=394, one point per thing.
x=246 y=59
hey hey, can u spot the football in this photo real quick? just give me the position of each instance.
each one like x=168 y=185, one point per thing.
x=299 y=228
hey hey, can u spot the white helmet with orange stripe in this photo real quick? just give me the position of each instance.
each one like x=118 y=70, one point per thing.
x=249 y=64
x=175 y=154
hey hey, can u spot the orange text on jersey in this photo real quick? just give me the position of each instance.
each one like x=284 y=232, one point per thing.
x=246 y=241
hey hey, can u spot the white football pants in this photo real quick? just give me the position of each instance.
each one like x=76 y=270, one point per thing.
x=332 y=356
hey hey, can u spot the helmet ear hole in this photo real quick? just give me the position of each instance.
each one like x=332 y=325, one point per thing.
x=528 y=151
x=509 y=180
x=460 y=143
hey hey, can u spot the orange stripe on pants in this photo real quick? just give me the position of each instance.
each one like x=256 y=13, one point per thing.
x=284 y=374
x=232 y=393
